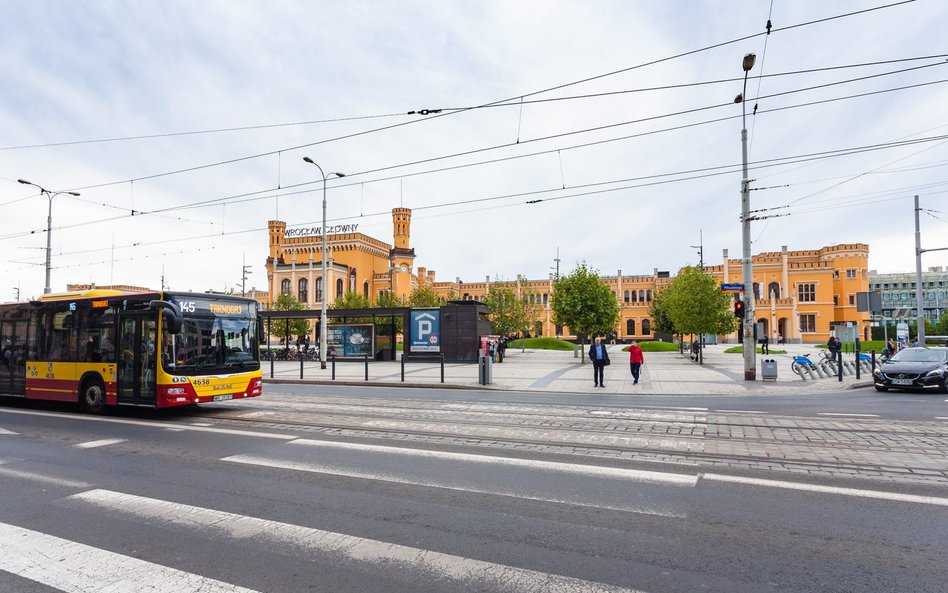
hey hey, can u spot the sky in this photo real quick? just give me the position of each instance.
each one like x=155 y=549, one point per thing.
x=602 y=131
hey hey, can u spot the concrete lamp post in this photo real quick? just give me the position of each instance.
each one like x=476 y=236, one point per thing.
x=750 y=353
x=323 y=333
x=49 y=223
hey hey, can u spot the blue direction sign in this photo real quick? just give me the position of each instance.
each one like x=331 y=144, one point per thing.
x=732 y=288
x=425 y=330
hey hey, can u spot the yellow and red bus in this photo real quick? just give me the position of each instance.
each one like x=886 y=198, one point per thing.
x=102 y=348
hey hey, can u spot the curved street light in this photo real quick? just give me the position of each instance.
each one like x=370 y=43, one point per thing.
x=323 y=333
x=49 y=222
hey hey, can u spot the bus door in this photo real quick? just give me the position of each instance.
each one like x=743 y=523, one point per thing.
x=13 y=357
x=136 y=363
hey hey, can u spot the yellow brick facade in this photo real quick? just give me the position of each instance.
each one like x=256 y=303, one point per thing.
x=801 y=295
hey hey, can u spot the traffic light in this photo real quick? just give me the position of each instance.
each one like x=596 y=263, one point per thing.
x=739 y=309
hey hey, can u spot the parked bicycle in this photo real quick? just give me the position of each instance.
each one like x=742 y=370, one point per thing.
x=801 y=364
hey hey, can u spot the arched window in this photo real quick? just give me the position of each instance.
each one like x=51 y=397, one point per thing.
x=757 y=291
x=286 y=287
x=303 y=292
x=626 y=295
x=546 y=298
x=773 y=290
x=630 y=327
x=635 y=297
x=641 y=296
x=352 y=280
x=365 y=289
x=646 y=327
x=319 y=290
x=340 y=288
x=648 y=295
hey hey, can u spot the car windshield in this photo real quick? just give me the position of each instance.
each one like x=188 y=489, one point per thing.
x=920 y=355
x=209 y=345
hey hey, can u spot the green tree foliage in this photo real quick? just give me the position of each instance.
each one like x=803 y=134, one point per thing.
x=390 y=299
x=423 y=296
x=584 y=303
x=296 y=327
x=661 y=322
x=506 y=310
x=941 y=328
x=353 y=300
x=695 y=304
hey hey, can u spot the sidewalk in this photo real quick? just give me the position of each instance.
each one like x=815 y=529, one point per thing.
x=558 y=371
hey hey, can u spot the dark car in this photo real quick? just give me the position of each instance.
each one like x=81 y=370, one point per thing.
x=914 y=368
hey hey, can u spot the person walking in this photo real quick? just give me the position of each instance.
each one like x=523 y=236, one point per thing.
x=765 y=345
x=600 y=359
x=636 y=360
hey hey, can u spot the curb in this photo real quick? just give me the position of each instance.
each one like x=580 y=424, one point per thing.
x=377 y=384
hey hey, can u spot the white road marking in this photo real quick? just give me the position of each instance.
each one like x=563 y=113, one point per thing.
x=828 y=489
x=941 y=417
x=77 y=568
x=5 y=431
x=391 y=478
x=373 y=554
x=847 y=415
x=100 y=443
x=598 y=471
x=22 y=475
x=87 y=418
x=740 y=411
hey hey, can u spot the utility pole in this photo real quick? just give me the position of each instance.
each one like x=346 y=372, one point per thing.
x=557 y=260
x=17 y=289
x=243 y=277
x=919 y=297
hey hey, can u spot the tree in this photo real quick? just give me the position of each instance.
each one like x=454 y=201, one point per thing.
x=695 y=304
x=584 y=303
x=354 y=300
x=389 y=299
x=282 y=328
x=506 y=309
x=423 y=296
x=661 y=322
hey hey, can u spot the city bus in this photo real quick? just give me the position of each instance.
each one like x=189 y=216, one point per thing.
x=104 y=348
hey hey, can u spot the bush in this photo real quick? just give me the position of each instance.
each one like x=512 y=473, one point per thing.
x=740 y=350
x=655 y=347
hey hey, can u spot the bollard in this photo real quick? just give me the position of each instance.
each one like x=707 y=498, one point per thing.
x=575 y=351
x=839 y=365
x=366 y=366
x=873 y=365
x=333 y=367
x=403 y=367
x=442 y=367
x=301 y=367
x=271 y=364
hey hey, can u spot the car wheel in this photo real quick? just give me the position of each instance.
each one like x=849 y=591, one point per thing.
x=881 y=388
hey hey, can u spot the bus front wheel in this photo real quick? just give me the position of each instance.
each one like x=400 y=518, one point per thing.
x=92 y=396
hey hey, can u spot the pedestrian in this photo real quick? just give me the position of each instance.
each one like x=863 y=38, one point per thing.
x=765 y=345
x=890 y=347
x=306 y=343
x=636 y=360
x=834 y=345
x=600 y=359
x=695 y=347
x=299 y=343
x=780 y=338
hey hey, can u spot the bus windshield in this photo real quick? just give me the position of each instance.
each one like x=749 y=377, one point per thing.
x=211 y=345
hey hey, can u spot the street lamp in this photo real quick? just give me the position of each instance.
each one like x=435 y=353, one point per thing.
x=750 y=353
x=322 y=318
x=49 y=222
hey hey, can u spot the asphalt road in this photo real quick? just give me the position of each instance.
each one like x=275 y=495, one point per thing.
x=354 y=490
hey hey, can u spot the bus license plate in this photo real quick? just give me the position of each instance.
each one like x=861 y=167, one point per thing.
x=902 y=381
x=220 y=398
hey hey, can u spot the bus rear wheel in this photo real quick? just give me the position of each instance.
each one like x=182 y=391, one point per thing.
x=92 y=396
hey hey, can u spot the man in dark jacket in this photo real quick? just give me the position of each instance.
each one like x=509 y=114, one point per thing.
x=600 y=358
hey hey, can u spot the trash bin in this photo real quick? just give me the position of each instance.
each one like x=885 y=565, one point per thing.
x=768 y=369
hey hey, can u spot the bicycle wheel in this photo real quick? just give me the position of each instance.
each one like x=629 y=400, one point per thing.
x=796 y=368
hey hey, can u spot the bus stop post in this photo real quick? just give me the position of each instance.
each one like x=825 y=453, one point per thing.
x=442 y=367
x=366 y=366
x=333 y=367
x=403 y=367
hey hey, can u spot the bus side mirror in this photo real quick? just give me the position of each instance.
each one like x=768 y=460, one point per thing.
x=172 y=315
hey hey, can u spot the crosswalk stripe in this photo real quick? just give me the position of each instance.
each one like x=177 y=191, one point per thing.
x=77 y=568
x=5 y=431
x=385 y=556
x=100 y=443
x=879 y=494
x=598 y=471
x=22 y=475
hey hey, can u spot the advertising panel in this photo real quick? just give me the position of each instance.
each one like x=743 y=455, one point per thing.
x=351 y=340
x=425 y=330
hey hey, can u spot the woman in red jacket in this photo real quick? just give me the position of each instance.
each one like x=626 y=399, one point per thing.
x=635 y=361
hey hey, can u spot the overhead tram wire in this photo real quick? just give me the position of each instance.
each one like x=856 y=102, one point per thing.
x=513 y=98
x=230 y=199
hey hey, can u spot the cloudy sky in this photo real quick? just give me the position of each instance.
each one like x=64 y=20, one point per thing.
x=606 y=130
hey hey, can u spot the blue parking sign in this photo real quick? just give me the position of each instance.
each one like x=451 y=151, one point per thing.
x=425 y=334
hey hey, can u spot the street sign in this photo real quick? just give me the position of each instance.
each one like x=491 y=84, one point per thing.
x=732 y=288
x=425 y=332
